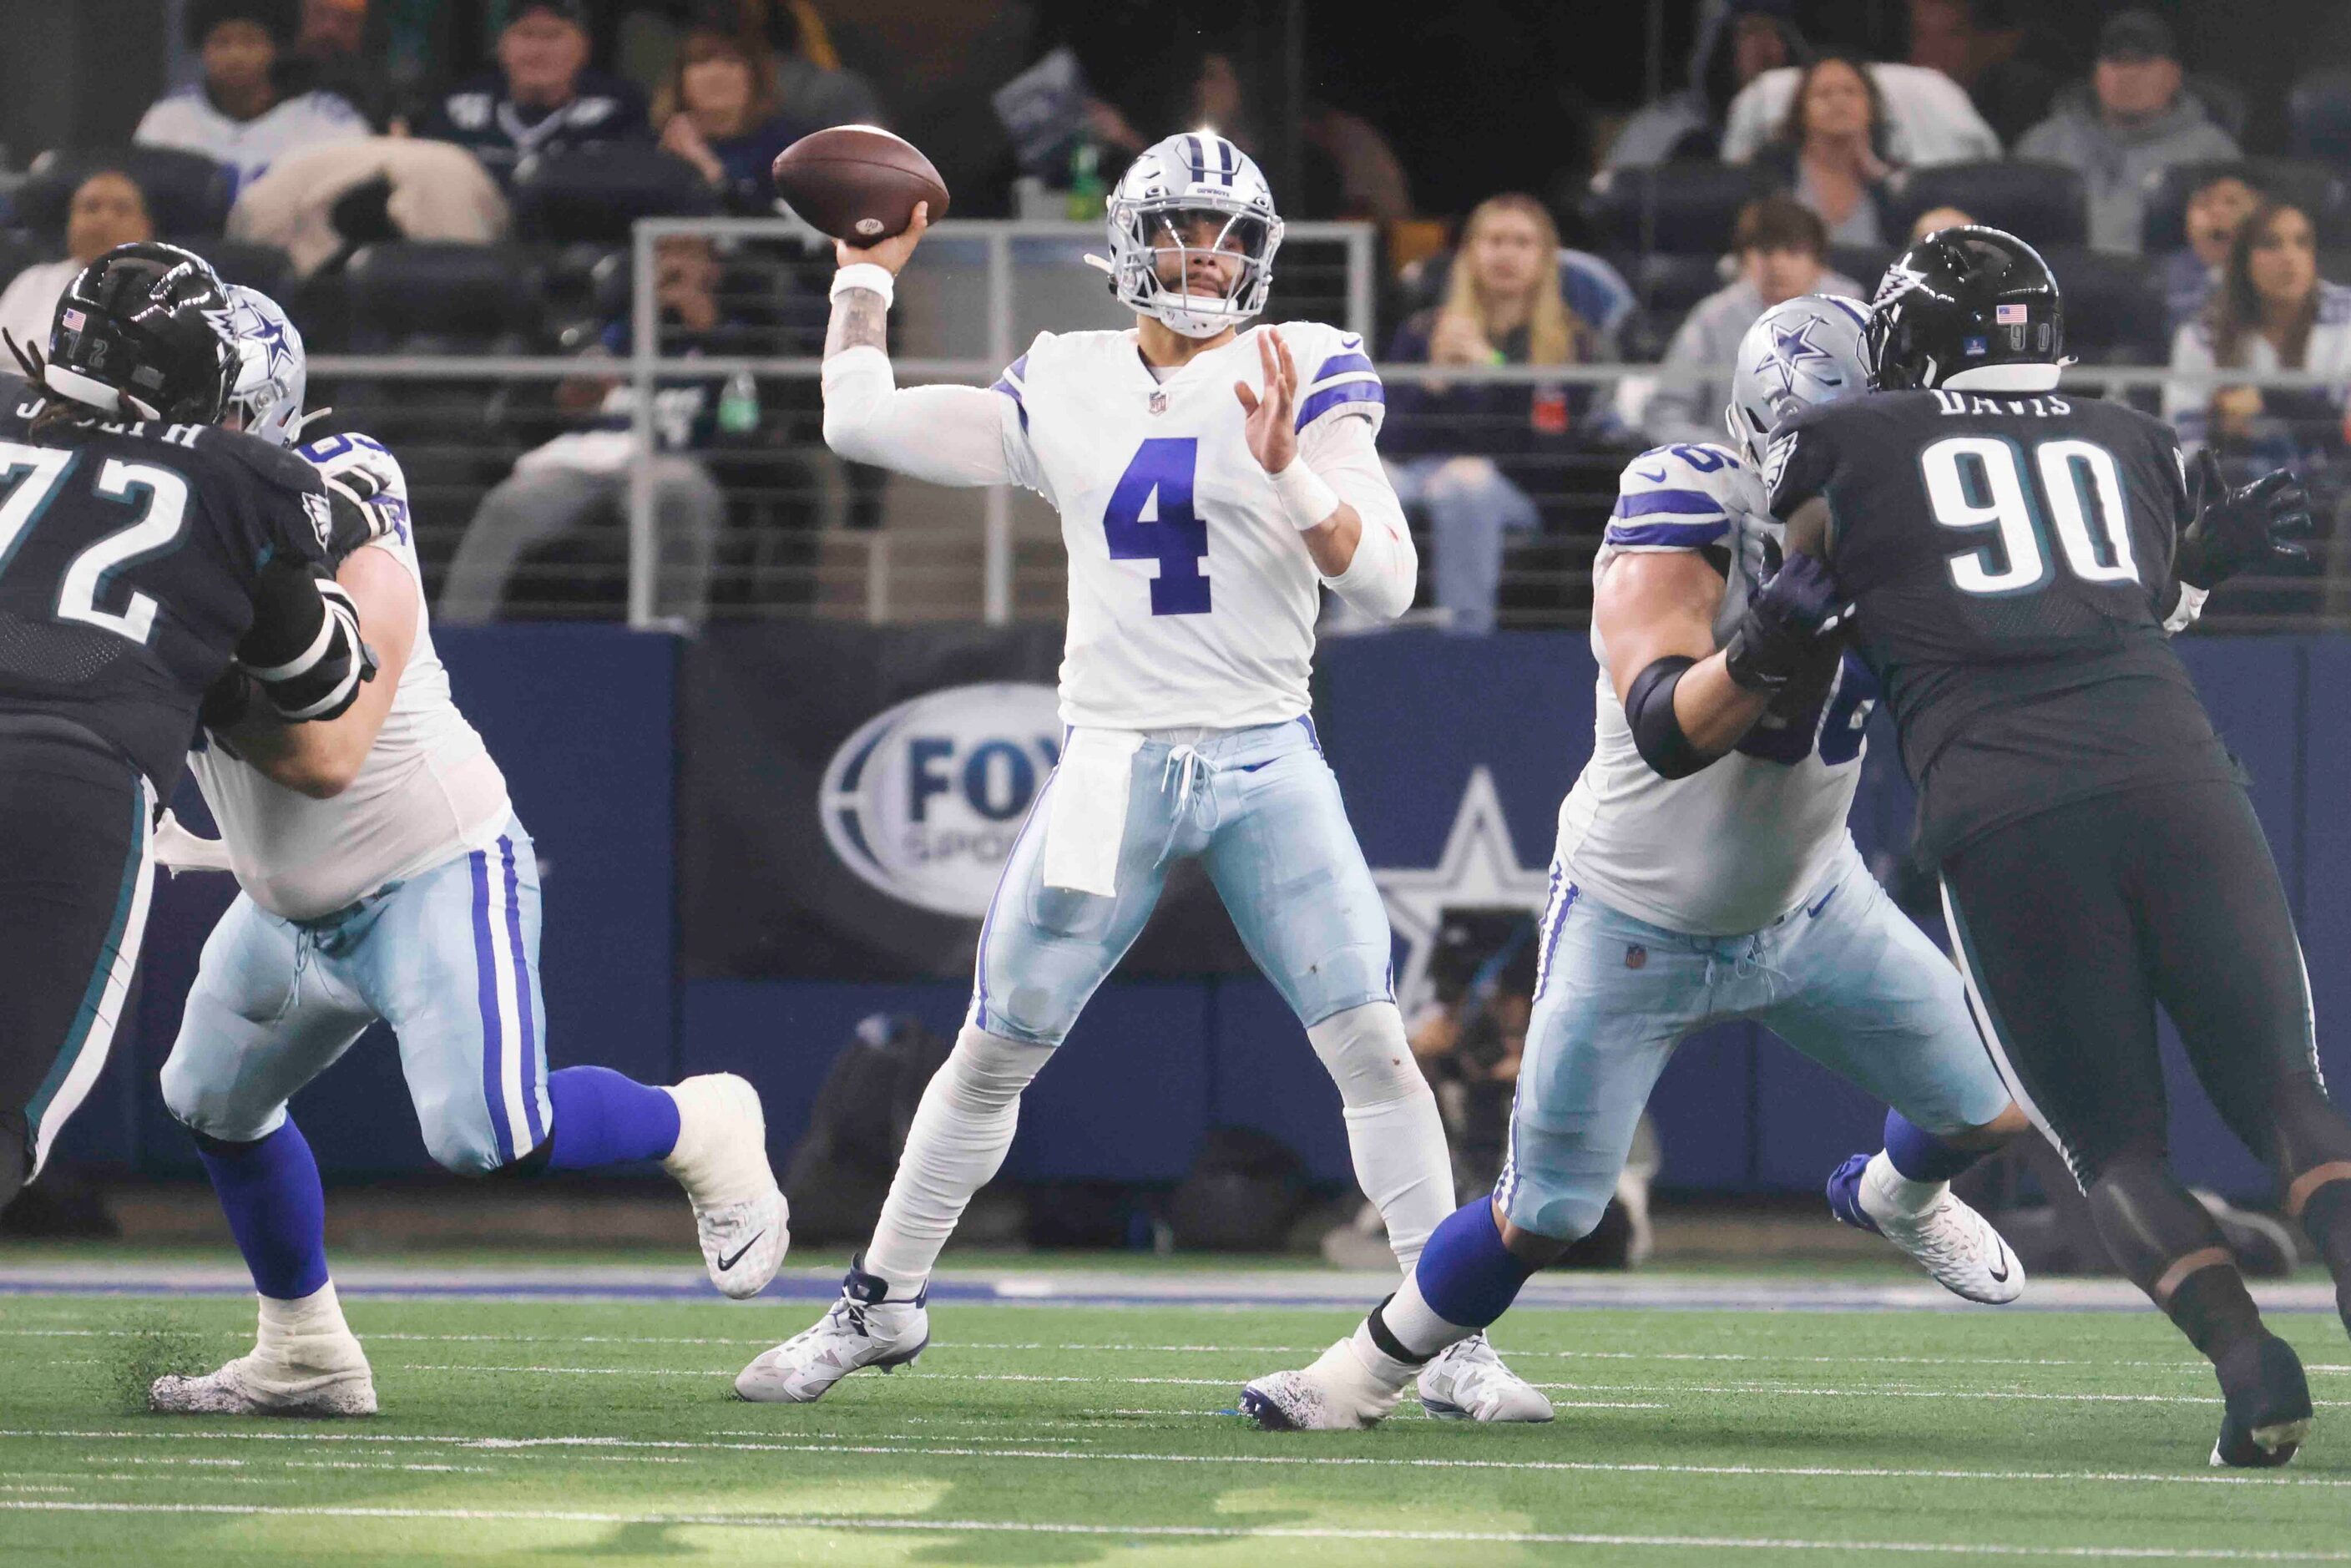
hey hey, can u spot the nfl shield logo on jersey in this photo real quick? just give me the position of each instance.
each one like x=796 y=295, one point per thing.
x=1159 y=400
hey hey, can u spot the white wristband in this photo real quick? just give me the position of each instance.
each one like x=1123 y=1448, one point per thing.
x=866 y=275
x=1304 y=496
x=2184 y=613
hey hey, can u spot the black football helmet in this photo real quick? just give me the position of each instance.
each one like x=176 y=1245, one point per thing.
x=1959 y=300
x=143 y=332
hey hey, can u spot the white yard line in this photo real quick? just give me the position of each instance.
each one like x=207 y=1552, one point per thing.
x=918 y=1447
x=773 y=1521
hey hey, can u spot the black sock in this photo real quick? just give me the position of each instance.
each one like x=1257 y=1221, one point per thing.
x=2215 y=1311
x=2327 y=1219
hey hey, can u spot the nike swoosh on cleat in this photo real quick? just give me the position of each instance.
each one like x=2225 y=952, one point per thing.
x=727 y=1263
x=2000 y=1273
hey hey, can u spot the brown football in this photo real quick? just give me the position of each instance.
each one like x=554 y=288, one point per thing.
x=858 y=182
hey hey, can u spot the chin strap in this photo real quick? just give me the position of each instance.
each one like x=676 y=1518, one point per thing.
x=28 y=356
x=1101 y=265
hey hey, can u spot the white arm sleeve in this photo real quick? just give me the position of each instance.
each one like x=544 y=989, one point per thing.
x=946 y=435
x=1382 y=577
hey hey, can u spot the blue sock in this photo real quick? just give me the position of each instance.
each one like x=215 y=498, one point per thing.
x=1920 y=1155
x=1466 y=1275
x=277 y=1210
x=603 y=1118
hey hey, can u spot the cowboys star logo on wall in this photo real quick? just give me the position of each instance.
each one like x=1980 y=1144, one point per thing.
x=1477 y=869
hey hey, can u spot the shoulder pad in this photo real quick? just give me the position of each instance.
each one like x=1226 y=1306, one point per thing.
x=266 y=461
x=1676 y=497
x=1335 y=372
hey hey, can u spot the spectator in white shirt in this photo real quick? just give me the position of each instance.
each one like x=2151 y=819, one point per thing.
x=238 y=116
x=2271 y=311
x=107 y=210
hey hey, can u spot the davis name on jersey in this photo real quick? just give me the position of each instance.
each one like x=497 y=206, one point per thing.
x=428 y=792
x=1736 y=845
x=1192 y=599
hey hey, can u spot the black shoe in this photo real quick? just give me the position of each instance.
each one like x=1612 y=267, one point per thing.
x=2269 y=1405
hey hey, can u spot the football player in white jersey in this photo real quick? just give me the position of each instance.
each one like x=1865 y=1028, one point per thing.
x=1704 y=872
x=1212 y=477
x=384 y=875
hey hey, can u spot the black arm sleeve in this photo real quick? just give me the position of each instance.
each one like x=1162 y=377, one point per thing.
x=1656 y=728
x=304 y=648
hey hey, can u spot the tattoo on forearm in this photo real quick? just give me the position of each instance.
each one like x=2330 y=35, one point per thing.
x=859 y=317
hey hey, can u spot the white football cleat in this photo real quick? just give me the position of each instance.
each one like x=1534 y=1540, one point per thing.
x=1960 y=1247
x=1337 y=1393
x=721 y=1160
x=853 y=1334
x=1467 y=1382
x=320 y=1373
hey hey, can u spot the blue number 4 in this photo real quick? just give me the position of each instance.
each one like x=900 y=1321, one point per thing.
x=1174 y=535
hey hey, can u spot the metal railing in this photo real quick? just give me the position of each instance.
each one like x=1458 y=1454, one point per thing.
x=807 y=535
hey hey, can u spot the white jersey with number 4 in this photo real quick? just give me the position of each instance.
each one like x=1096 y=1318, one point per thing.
x=428 y=792
x=1736 y=845
x=1192 y=598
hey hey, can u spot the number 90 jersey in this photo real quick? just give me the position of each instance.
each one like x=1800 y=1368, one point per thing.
x=1736 y=845
x=2008 y=553
x=1192 y=599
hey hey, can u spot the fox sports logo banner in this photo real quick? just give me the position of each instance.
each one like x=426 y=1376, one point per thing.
x=925 y=800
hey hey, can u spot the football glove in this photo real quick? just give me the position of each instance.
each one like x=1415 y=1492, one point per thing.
x=2233 y=530
x=1788 y=625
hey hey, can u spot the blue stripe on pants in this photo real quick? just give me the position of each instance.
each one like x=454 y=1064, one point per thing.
x=486 y=969
x=527 y=1066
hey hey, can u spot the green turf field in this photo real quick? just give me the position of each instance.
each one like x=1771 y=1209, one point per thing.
x=606 y=1433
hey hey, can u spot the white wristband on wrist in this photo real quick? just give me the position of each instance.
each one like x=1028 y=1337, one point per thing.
x=866 y=275
x=1305 y=497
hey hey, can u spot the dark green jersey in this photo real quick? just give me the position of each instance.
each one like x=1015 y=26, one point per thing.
x=2010 y=554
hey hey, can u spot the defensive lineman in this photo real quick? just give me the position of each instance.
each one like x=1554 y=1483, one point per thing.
x=1703 y=872
x=2017 y=556
x=141 y=551
x=410 y=896
x=1205 y=489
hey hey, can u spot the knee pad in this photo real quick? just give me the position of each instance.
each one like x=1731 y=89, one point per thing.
x=212 y=1111
x=1365 y=1050
x=459 y=1148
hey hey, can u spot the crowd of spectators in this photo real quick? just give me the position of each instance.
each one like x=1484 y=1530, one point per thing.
x=1785 y=164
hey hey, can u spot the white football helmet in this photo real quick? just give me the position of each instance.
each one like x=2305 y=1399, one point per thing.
x=1195 y=175
x=273 y=373
x=1800 y=352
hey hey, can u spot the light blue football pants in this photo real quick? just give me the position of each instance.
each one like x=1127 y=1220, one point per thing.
x=1845 y=978
x=1261 y=810
x=449 y=958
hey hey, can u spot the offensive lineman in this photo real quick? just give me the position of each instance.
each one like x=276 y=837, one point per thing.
x=411 y=895
x=1200 y=516
x=1704 y=872
x=2017 y=557
x=141 y=551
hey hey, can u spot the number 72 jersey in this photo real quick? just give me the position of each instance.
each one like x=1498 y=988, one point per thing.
x=128 y=555
x=1192 y=599
x=2009 y=553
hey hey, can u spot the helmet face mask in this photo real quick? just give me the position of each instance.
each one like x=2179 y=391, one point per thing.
x=1964 y=299
x=143 y=332
x=1192 y=236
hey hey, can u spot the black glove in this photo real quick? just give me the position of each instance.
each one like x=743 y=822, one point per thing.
x=359 y=499
x=1789 y=624
x=227 y=700
x=2233 y=530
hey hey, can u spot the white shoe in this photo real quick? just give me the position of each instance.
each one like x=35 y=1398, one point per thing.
x=1950 y=1241
x=1337 y=1393
x=885 y=1334
x=721 y=1160
x=306 y=1374
x=1468 y=1383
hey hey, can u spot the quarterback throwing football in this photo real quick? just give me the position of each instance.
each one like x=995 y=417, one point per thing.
x=1211 y=478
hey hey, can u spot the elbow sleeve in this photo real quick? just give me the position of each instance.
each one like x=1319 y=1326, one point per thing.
x=1386 y=573
x=304 y=649
x=857 y=384
x=1656 y=728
